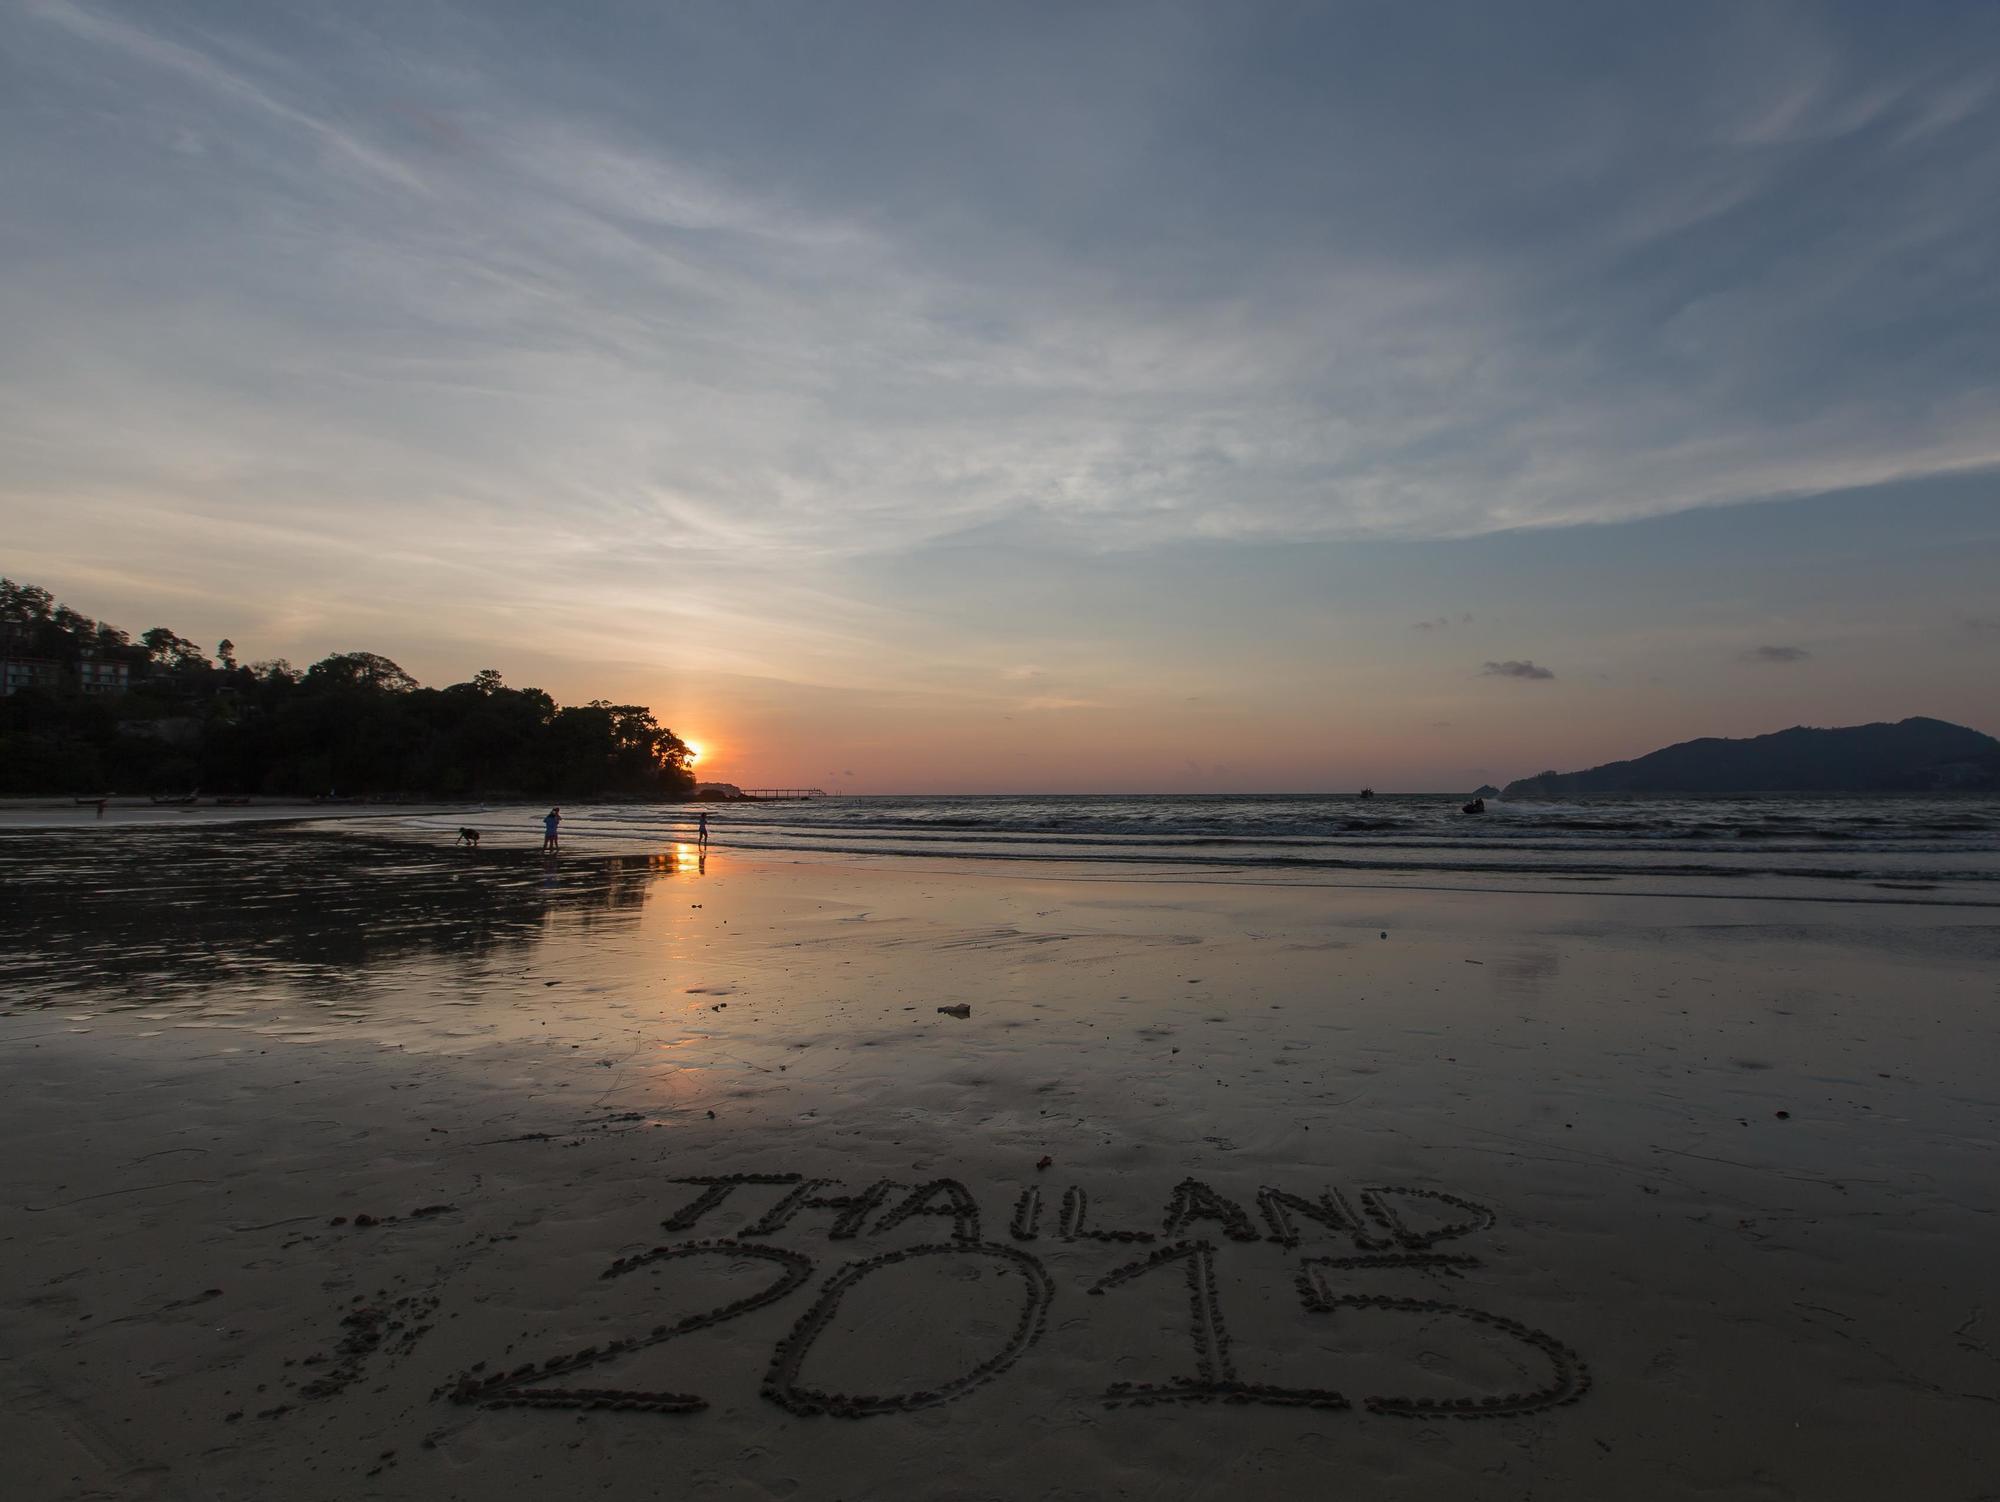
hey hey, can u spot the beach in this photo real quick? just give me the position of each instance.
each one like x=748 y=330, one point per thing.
x=344 y=1163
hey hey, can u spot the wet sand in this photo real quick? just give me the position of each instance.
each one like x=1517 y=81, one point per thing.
x=346 y=1168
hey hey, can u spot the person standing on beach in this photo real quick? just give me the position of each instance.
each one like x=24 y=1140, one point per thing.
x=701 y=830
x=550 y=822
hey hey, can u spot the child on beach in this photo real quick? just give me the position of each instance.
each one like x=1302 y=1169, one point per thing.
x=550 y=821
x=701 y=832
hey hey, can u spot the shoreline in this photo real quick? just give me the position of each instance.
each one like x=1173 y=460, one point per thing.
x=598 y=844
x=1845 y=851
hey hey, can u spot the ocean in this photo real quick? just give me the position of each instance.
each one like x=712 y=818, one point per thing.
x=1893 y=841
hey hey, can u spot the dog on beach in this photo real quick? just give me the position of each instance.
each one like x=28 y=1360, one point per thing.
x=468 y=837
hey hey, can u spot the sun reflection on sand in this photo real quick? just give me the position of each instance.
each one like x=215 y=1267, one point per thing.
x=677 y=859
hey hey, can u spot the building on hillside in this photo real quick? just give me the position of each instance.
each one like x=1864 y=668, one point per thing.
x=102 y=675
x=17 y=673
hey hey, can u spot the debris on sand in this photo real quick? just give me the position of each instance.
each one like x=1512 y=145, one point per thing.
x=1044 y=1161
x=963 y=1009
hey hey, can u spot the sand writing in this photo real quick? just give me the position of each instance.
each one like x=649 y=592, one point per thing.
x=523 y=1386
x=1390 y=1229
x=781 y=1384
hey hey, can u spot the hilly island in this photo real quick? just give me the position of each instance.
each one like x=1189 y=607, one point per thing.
x=1916 y=755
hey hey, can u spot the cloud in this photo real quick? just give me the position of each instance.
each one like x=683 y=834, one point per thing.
x=1983 y=625
x=209 y=72
x=1775 y=654
x=1443 y=622
x=1514 y=669
x=824 y=307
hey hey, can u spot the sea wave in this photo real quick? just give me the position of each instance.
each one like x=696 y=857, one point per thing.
x=1889 y=839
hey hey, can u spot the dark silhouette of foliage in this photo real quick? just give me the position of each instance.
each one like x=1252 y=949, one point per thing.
x=353 y=724
x=172 y=653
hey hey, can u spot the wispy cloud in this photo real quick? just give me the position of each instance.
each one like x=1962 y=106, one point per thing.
x=1775 y=654
x=1514 y=668
x=752 y=340
x=205 y=70
x=1443 y=622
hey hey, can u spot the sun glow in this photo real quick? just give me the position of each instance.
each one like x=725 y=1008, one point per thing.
x=694 y=752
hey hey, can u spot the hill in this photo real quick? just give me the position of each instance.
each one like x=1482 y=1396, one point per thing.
x=1914 y=755
x=85 y=709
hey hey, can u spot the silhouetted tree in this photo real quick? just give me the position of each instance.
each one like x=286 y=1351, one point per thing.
x=171 y=652
x=23 y=604
x=358 y=670
x=354 y=721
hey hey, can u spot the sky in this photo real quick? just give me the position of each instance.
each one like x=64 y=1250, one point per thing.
x=1040 y=397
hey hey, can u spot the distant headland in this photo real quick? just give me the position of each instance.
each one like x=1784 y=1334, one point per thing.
x=1910 y=756
x=85 y=709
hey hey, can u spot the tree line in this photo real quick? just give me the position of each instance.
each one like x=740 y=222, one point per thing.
x=93 y=710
